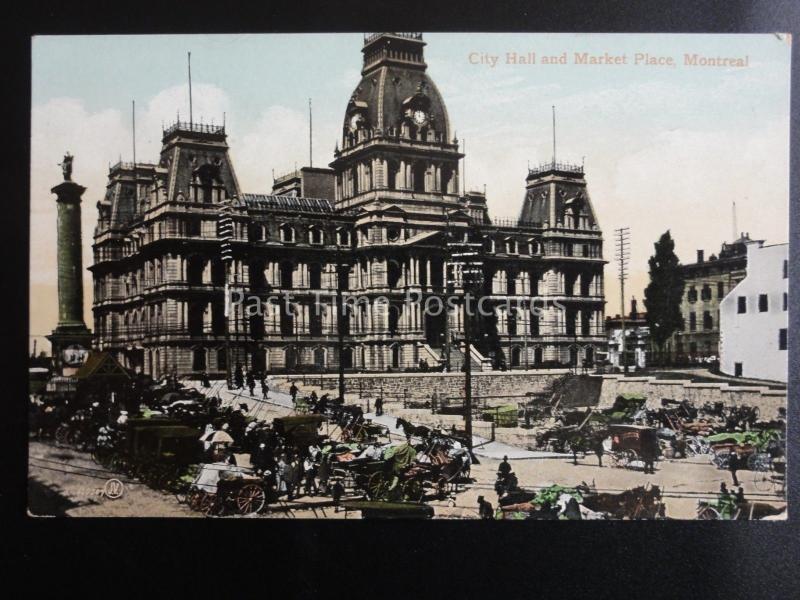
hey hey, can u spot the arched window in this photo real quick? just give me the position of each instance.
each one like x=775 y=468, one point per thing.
x=396 y=356
x=315 y=235
x=516 y=353
x=287 y=233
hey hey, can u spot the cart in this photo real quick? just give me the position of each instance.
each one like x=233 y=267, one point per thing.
x=300 y=431
x=628 y=444
x=221 y=489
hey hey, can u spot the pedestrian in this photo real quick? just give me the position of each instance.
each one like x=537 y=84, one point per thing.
x=264 y=389
x=205 y=380
x=238 y=377
x=324 y=473
x=378 y=406
x=733 y=466
x=282 y=476
x=597 y=446
x=485 y=510
x=251 y=382
x=649 y=458
x=293 y=392
x=309 y=473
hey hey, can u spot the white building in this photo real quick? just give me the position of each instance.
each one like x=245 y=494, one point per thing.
x=754 y=317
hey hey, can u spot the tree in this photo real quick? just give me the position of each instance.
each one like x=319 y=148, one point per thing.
x=663 y=294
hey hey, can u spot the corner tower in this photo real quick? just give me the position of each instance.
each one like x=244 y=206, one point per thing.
x=397 y=146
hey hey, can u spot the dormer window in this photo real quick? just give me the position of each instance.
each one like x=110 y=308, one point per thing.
x=287 y=233
x=511 y=246
x=344 y=236
x=315 y=235
x=393 y=233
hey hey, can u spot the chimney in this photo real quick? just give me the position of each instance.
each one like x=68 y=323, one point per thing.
x=700 y=256
x=633 y=308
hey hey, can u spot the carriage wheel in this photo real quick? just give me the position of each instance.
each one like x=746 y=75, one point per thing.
x=413 y=490
x=762 y=481
x=211 y=505
x=251 y=499
x=375 y=485
x=62 y=435
x=708 y=513
x=721 y=460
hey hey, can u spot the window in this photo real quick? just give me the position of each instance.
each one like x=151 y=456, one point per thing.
x=585 y=249
x=567 y=249
x=193 y=226
x=692 y=322
x=705 y=294
x=786 y=269
x=287 y=233
x=763 y=303
x=691 y=295
x=511 y=246
x=785 y=301
x=720 y=290
x=316 y=235
x=782 y=341
x=737 y=369
x=742 y=305
x=708 y=322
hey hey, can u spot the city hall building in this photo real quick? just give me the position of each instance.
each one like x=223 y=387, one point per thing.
x=386 y=221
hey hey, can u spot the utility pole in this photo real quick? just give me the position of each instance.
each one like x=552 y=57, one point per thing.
x=225 y=232
x=623 y=255
x=339 y=315
x=471 y=275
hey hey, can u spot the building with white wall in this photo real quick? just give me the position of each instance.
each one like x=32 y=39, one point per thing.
x=754 y=317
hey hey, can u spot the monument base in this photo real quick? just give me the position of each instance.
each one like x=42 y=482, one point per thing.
x=71 y=345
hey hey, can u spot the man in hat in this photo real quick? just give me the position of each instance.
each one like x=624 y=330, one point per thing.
x=293 y=392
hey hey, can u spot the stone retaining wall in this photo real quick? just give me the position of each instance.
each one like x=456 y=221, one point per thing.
x=768 y=401
x=420 y=386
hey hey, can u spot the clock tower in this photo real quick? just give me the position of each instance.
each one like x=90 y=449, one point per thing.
x=397 y=147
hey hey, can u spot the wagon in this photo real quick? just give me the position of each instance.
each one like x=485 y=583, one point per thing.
x=221 y=488
x=157 y=451
x=300 y=431
x=628 y=444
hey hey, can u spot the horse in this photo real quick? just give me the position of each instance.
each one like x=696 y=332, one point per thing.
x=409 y=429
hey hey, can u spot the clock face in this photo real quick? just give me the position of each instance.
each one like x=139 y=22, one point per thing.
x=355 y=121
x=420 y=117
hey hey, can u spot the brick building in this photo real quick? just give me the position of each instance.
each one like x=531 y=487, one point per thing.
x=381 y=222
x=706 y=283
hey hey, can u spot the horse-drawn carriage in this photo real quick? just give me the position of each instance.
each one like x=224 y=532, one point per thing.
x=222 y=488
x=157 y=451
x=628 y=445
x=402 y=473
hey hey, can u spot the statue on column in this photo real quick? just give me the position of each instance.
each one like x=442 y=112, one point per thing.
x=66 y=166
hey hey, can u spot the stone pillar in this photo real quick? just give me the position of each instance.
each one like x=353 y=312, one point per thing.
x=71 y=339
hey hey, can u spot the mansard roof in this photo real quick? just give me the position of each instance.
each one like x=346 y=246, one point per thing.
x=288 y=203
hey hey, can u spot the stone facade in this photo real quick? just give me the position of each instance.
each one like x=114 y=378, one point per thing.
x=706 y=283
x=379 y=229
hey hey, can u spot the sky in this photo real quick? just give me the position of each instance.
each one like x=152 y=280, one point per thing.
x=664 y=146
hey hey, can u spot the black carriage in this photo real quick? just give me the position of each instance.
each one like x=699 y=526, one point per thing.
x=631 y=443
